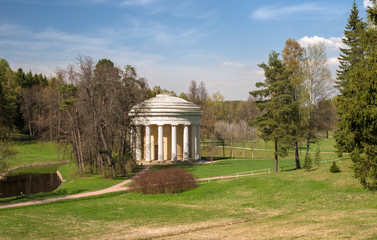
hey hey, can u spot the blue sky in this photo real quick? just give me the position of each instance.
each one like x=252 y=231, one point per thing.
x=170 y=42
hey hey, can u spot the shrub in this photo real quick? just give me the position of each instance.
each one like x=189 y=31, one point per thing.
x=334 y=168
x=317 y=159
x=308 y=163
x=172 y=180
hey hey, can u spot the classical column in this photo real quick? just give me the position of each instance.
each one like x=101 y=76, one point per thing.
x=132 y=142
x=186 y=143
x=147 y=143
x=198 y=157
x=160 y=142
x=193 y=141
x=138 y=143
x=174 y=142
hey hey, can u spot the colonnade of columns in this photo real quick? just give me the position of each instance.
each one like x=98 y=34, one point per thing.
x=189 y=144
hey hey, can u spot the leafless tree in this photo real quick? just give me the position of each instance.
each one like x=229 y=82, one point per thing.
x=32 y=109
x=97 y=108
x=244 y=133
x=318 y=83
x=192 y=94
x=227 y=132
x=202 y=93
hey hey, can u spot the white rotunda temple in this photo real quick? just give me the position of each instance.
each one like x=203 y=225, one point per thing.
x=166 y=128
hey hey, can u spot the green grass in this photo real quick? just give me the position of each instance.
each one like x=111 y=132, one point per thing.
x=295 y=204
x=36 y=152
x=37 y=170
x=264 y=154
x=233 y=166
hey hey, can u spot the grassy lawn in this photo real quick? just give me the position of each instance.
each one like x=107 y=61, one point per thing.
x=324 y=144
x=263 y=153
x=292 y=204
x=36 y=152
x=229 y=166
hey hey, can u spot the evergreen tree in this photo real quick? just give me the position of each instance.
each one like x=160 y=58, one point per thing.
x=357 y=107
x=275 y=101
x=353 y=54
x=349 y=58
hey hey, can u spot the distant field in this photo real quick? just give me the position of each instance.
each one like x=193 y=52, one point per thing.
x=285 y=205
x=263 y=153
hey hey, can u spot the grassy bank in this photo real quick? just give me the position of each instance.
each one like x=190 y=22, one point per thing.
x=39 y=153
x=36 y=152
x=74 y=183
x=294 y=204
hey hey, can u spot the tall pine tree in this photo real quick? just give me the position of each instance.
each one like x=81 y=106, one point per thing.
x=275 y=101
x=349 y=58
x=357 y=104
x=351 y=55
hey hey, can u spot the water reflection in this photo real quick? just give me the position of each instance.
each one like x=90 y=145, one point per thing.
x=28 y=184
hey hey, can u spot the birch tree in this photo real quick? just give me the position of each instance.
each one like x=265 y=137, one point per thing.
x=318 y=84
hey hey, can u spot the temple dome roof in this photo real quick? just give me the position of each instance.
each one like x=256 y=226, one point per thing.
x=166 y=106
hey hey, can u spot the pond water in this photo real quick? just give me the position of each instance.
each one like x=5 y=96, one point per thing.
x=28 y=184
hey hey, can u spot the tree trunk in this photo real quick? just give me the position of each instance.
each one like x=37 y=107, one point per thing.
x=81 y=160
x=276 y=154
x=231 y=150
x=58 y=130
x=82 y=166
x=327 y=133
x=50 y=126
x=243 y=150
x=307 y=142
x=30 y=132
x=223 y=142
x=109 y=158
x=297 y=157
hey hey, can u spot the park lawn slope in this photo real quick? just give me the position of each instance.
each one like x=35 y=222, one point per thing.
x=36 y=152
x=292 y=204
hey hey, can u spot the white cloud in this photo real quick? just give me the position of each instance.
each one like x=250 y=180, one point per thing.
x=334 y=61
x=259 y=73
x=279 y=12
x=227 y=64
x=368 y=3
x=332 y=43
